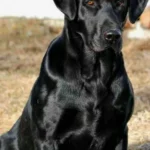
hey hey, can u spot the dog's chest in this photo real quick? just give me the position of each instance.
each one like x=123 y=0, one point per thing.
x=88 y=101
x=80 y=94
x=81 y=110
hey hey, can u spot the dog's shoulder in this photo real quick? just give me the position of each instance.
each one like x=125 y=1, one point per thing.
x=123 y=93
x=9 y=140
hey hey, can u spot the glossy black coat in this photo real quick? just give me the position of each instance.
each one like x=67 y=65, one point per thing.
x=82 y=99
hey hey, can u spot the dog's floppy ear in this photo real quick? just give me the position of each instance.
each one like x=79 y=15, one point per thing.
x=68 y=7
x=136 y=7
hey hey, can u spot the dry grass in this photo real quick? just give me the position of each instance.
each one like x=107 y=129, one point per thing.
x=22 y=46
x=21 y=54
x=137 y=58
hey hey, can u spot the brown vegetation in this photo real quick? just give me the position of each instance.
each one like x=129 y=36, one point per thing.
x=22 y=47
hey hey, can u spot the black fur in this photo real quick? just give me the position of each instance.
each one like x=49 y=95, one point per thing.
x=82 y=99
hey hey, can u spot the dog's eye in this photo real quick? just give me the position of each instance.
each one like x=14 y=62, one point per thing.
x=91 y=2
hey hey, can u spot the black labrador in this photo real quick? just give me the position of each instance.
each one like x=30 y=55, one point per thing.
x=82 y=99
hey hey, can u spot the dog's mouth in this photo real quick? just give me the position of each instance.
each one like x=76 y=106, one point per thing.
x=98 y=48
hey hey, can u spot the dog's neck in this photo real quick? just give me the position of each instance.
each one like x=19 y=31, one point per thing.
x=88 y=61
x=74 y=61
x=75 y=49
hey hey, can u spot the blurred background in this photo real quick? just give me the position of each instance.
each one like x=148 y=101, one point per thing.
x=26 y=29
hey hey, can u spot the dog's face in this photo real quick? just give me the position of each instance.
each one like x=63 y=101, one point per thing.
x=99 y=23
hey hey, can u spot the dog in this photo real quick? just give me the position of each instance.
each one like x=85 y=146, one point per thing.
x=83 y=98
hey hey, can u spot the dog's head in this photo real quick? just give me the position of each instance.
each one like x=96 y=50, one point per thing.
x=100 y=23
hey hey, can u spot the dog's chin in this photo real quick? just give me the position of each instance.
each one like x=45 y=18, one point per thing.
x=99 y=48
x=96 y=47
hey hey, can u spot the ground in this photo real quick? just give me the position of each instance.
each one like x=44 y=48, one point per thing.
x=22 y=47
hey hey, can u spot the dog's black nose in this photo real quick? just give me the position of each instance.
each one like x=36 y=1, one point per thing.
x=112 y=35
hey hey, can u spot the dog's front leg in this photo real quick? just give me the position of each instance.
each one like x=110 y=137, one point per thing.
x=123 y=144
x=123 y=97
x=123 y=103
